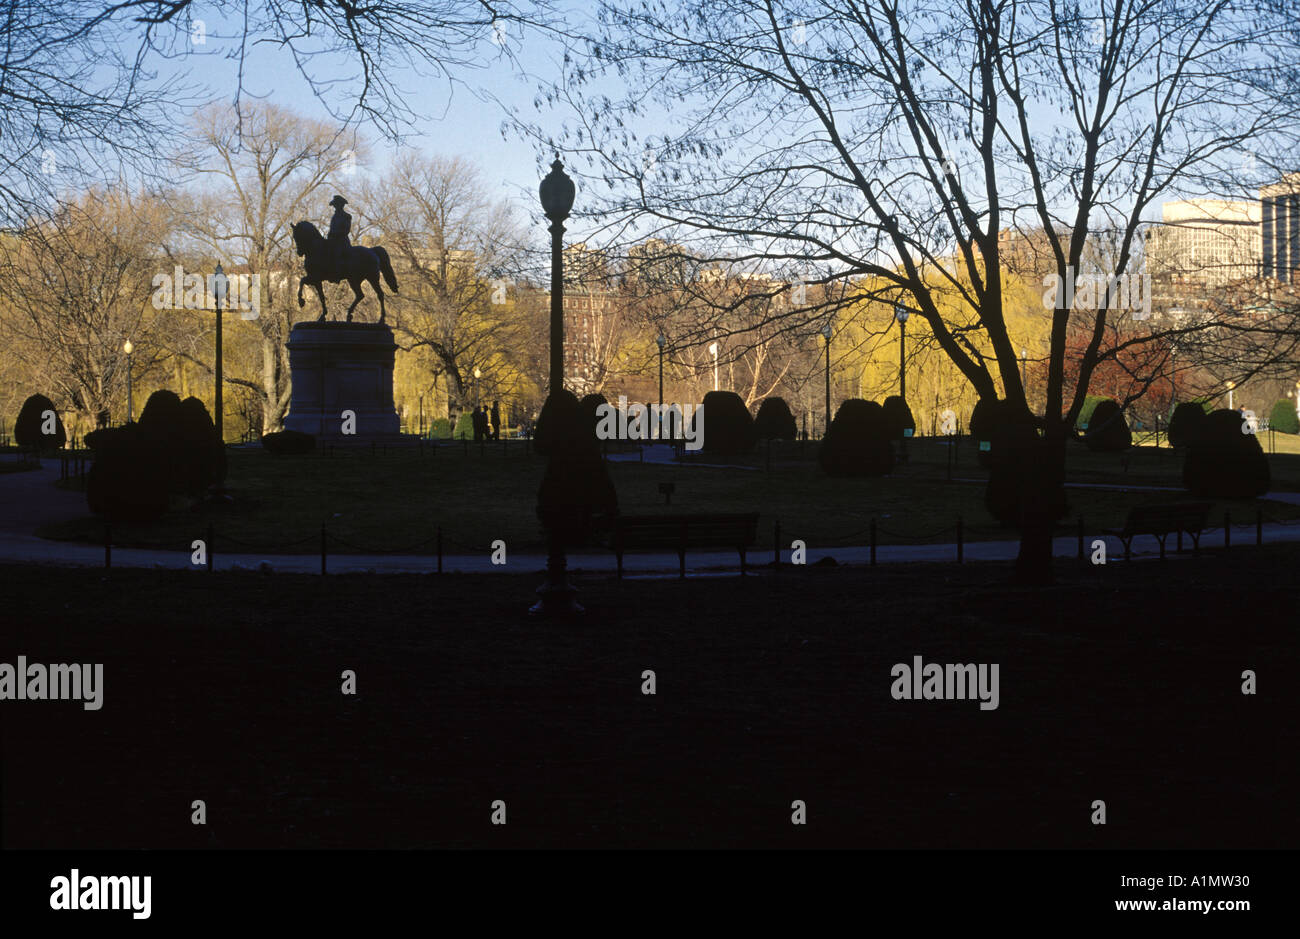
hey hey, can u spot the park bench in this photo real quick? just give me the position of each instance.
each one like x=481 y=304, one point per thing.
x=679 y=532
x=1162 y=521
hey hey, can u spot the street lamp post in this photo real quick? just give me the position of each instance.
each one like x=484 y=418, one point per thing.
x=713 y=350
x=218 y=407
x=826 y=332
x=661 y=340
x=130 y=409
x=900 y=314
x=557 y=192
x=1173 y=373
x=1231 y=385
x=1024 y=359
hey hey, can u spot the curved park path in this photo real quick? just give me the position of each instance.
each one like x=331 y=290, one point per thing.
x=30 y=499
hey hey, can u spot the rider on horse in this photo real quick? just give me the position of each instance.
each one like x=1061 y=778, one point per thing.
x=340 y=227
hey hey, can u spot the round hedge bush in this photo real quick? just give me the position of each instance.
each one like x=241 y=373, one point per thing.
x=1186 y=423
x=590 y=405
x=775 y=421
x=899 y=416
x=128 y=482
x=203 y=454
x=728 y=425
x=566 y=402
x=1283 y=418
x=289 y=443
x=576 y=496
x=1015 y=454
x=1084 y=421
x=1107 y=430
x=464 y=426
x=439 y=429
x=161 y=417
x=988 y=421
x=30 y=425
x=1222 y=462
x=857 y=443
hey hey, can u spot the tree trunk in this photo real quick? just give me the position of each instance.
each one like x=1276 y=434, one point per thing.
x=1042 y=502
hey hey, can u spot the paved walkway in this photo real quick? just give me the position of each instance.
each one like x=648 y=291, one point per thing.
x=28 y=500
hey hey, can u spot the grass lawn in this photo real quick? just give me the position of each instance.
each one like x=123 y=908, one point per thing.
x=1120 y=683
x=396 y=499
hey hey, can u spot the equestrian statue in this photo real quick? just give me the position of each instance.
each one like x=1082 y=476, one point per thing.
x=334 y=259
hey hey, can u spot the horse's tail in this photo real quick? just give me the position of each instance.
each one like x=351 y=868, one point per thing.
x=386 y=268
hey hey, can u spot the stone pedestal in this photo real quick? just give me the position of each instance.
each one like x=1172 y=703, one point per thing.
x=339 y=367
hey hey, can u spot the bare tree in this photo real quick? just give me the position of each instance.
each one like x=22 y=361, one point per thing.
x=898 y=139
x=74 y=286
x=457 y=254
x=262 y=169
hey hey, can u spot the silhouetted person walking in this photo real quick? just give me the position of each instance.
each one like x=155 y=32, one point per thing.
x=496 y=421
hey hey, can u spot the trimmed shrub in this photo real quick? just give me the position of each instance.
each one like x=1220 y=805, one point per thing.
x=289 y=443
x=1083 y=422
x=990 y=418
x=464 y=426
x=1283 y=418
x=589 y=405
x=1107 y=430
x=1016 y=453
x=1186 y=424
x=542 y=433
x=899 y=417
x=203 y=456
x=161 y=417
x=160 y=422
x=775 y=420
x=857 y=443
x=128 y=481
x=728 y=425
x=30 y=424
x=439 y=429
x=576 y=497
x=1224 y=463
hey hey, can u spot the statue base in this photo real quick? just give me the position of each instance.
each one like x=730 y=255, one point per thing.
x=342 y=382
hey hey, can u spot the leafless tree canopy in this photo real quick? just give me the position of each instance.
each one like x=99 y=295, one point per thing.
x=87 y=89
x=894 y=140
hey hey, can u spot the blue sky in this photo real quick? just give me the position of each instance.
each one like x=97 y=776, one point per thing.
x=453 y=120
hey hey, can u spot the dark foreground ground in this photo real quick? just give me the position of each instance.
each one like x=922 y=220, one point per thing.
x=1121 y=684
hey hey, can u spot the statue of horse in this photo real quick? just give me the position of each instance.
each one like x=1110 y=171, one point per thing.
x=358 y=264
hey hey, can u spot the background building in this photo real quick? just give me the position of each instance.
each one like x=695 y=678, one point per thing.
x=1205 y=242
x=1280 y=214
